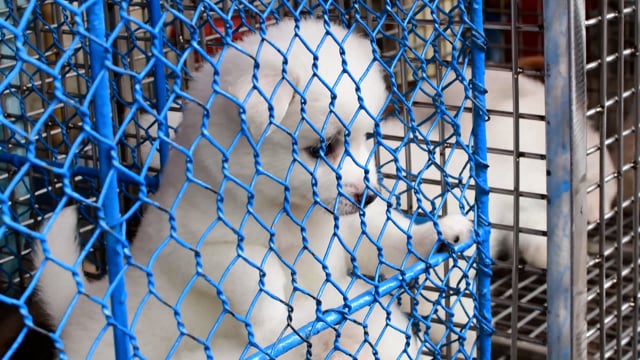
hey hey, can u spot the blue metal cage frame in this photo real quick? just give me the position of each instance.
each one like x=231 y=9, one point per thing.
x=73 y=151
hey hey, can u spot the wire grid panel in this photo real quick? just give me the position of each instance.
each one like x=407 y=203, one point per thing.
x=90 y=122
x=612 y=94
x=520 y=292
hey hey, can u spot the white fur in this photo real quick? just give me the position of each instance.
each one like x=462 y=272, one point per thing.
x=61 y=243
x=284 y=205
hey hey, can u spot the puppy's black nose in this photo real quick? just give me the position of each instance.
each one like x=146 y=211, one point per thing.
x=370 y=198
x=367 y=200
x=442 y=247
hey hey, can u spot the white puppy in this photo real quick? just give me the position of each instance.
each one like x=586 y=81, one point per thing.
x=265 y=233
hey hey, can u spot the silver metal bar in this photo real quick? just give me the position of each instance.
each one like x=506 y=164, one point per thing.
x=515 y=255
x=620 y=301
x=603 y=91
x=636 y=184
x=565 y=100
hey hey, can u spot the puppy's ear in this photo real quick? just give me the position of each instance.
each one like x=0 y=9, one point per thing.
x=274 y=91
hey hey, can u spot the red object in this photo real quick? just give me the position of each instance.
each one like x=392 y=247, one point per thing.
x=531 y=42
x=212 y=34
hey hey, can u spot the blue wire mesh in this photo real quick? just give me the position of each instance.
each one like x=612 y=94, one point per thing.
x=88 y=118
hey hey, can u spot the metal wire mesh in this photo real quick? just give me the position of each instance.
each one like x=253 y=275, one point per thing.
x=520 y=291
x=91 y=95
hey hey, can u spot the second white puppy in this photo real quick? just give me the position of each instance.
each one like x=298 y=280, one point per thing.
x=256 y=229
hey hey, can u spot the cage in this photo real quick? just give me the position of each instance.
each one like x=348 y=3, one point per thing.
x=429 y=158
x=93 y=94
x=521 y=293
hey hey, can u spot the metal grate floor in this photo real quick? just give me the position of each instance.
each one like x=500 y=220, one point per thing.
x=611 y=303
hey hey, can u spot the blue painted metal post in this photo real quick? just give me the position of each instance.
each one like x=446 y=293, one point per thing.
x=159 y=80
x=483 y=227
x=107 y=156
x=566 y=168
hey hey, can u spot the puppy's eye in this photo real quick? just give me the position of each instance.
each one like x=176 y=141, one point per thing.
x=317 y=150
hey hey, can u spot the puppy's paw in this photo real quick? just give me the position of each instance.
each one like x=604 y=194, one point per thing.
x=455 y=228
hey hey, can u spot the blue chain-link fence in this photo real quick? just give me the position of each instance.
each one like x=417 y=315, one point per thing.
x=252 y=180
